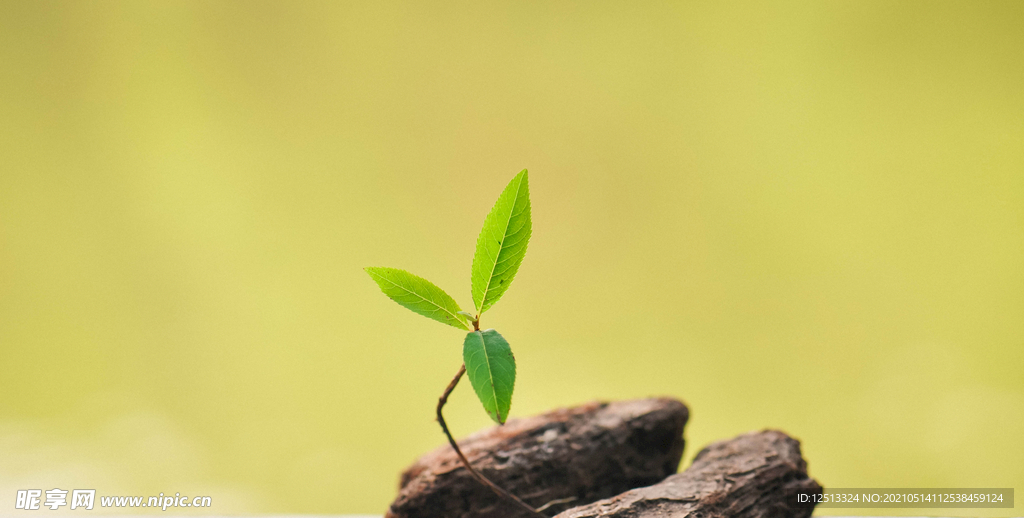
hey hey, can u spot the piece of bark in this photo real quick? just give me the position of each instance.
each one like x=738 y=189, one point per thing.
x=579 y=454
x=756 y=475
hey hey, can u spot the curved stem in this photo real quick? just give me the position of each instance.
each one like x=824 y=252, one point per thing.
x=482 y=479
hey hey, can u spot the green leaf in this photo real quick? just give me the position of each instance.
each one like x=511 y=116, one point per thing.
x=502 y=243
x=492 y=371
x=419 y=295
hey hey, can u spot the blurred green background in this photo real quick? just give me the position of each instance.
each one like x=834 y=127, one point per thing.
x=802 y=215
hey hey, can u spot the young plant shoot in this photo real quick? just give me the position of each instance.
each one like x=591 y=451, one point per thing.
x=486 y=355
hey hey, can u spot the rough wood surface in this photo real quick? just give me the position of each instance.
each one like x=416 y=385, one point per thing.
x=756 y=475
x=584 y=454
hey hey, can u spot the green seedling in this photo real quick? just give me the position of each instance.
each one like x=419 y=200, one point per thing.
x=487 y=358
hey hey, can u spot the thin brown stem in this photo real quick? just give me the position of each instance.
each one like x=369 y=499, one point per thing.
x=482 y=479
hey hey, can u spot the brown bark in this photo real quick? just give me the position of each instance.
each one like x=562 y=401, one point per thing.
x=579 y=454
x=756 y=475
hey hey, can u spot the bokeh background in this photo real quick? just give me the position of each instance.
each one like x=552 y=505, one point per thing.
x=801 y=215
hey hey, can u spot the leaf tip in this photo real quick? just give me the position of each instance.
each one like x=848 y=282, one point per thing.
x=497 y=418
